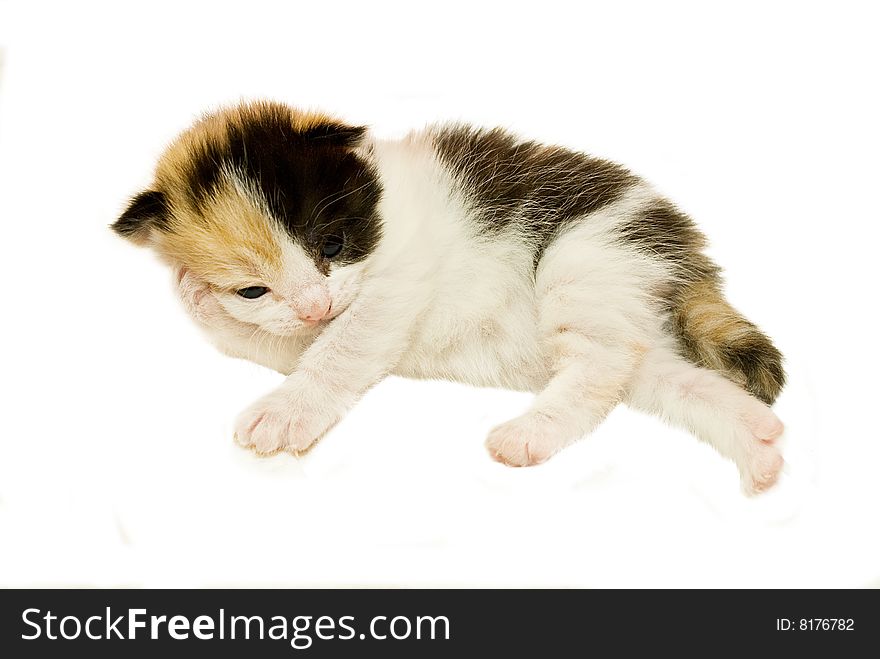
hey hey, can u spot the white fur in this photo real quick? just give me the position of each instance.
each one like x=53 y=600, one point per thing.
x=438 y=300
x=299 y=292
x=717 y=411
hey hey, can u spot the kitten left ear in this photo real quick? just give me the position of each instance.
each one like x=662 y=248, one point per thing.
x=333 y=134
x=145 y=212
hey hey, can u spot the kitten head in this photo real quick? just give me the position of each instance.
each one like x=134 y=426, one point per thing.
x=273 y=207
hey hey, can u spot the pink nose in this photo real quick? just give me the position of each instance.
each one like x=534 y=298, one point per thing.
x=313 y=304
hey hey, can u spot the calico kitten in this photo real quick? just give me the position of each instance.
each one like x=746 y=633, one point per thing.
x=313 y=248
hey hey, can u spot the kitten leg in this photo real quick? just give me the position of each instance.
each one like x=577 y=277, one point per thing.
x=588 y=381
x=353 y=352
x=595 y=319
x=715 y=409
x=203 y=307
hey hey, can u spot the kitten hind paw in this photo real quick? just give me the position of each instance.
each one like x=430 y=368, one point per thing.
x=761 y=469
x=760 y=460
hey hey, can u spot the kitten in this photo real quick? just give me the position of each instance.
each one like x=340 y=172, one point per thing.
x=313 y=248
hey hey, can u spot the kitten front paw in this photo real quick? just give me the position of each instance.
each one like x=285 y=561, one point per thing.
x=202 y=304
x=197 y=298
x=522 y=442
x=280 y=421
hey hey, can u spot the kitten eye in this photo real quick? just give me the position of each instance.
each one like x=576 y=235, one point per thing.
x=331 y=247
x=252 y=292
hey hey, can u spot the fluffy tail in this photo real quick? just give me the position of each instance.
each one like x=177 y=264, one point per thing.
x=714 y=335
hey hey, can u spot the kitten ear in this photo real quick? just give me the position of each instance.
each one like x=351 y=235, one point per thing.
x=145 y=212
x=334 y=134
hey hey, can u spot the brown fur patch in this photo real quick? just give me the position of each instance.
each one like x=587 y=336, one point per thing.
x=231 y=242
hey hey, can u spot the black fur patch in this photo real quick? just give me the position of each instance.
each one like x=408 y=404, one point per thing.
x=145 y=211
x=312 y=181
x=662 y=230
x=527 y=186
x=761 y=364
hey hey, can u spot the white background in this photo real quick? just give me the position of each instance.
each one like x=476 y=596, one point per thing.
x=117 y=465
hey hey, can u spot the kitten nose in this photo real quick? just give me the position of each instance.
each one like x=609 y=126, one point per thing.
x=313 y=304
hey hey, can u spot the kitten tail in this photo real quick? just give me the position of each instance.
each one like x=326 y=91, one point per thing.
x=714 y=335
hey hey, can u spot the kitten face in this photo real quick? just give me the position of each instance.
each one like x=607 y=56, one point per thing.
x=297 y=294
x=272 y=207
